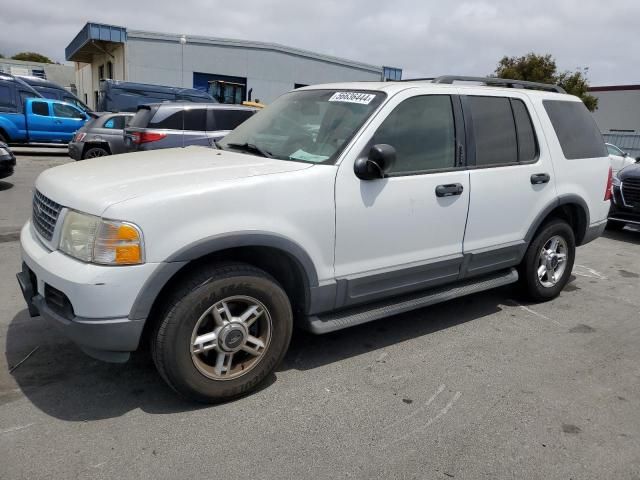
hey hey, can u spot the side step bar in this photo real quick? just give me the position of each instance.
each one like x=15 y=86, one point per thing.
x=330 y=322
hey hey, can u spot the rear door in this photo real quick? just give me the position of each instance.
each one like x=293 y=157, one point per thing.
x=195 y=126
x=511 y=178
x=40 y=123
x=67 y=120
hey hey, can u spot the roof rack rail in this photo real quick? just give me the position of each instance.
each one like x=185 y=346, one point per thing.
x=502 y=82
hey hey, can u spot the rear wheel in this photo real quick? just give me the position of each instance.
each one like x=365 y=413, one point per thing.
x=223 y=332
x=3 y=139
x=94 y=152
x=547 y=265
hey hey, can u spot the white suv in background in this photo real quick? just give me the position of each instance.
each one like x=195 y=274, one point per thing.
x=337 y=205
x=619 y=159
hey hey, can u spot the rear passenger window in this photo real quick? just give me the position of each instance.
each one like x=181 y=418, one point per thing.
x=195 y=119
x=6 y=97
x=167 y=118
x=40 y=108
x=115 y=123
x=576 y=130
x=422 y=131
x=527 y=144
x=494 y=131
x=228 y=119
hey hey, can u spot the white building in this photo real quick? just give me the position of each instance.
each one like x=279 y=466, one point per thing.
x=266 y=70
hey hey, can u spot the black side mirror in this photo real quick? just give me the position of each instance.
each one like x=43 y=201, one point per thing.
x=377 y=164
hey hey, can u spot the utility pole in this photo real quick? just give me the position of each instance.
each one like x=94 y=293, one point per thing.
x=183 y=41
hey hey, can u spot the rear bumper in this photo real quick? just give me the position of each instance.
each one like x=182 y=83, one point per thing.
x=75 y=150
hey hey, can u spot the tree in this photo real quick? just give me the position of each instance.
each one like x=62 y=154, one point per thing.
x=542 y=68
x=32 y=57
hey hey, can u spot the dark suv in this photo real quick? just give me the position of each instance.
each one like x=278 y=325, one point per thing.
x=169 y=125
x=625 y=201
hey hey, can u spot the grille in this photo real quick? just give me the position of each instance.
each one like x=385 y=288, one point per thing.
x=631 y=192
x=45 y=215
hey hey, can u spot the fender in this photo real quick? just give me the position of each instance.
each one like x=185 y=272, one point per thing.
x=565 y=199
x=152 y=287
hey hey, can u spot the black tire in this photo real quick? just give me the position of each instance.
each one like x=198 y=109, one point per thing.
x=171 y=341
x=615 y=225
x=3 y=139
x=95 y=152
x=528 y=269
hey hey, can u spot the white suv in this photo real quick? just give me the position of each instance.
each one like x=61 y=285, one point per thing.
x=337 y=205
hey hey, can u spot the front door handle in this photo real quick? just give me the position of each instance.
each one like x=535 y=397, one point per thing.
x=449 y=190
x=540 y=178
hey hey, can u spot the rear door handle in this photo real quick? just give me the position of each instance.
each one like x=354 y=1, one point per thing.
x=449 y=190
x=539 y=178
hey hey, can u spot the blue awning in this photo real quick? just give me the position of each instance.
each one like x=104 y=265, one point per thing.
x=82 y=47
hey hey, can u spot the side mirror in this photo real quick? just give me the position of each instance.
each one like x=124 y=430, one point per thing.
x=377 y=164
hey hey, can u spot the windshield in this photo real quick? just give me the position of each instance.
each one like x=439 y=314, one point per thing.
x=308 y=126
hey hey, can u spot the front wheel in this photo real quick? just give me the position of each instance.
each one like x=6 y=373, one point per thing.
x=224 y=331
x=547 y=265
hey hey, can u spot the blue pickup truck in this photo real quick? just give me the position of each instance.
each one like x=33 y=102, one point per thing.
x=26 y=117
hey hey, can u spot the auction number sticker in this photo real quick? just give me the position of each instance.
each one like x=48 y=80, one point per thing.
x=352 y=97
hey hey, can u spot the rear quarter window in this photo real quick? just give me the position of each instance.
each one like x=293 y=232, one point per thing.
x=141 y=118
x=168 y=119
x=576 y=130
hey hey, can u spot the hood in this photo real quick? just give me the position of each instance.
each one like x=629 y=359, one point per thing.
x=630 y=171
x=93 y=185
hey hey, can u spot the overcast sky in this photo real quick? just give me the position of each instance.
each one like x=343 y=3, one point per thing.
x=424 y=37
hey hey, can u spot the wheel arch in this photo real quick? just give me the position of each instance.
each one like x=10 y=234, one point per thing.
x=279 y=256
x=571 y=208
x=96 y=143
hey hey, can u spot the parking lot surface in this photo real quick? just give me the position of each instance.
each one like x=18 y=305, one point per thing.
x=486 y=386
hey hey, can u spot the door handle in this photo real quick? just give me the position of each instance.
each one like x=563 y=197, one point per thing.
x=449 y=190
x=539 y=178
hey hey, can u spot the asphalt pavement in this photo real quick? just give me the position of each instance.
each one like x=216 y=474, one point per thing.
x=486 y=386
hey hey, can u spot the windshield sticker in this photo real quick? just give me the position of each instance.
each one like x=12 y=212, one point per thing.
x=352 y=97
x=307 y=157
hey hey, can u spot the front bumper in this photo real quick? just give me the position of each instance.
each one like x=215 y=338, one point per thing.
x=89 y=303
x=622 y=212
x=6 y=169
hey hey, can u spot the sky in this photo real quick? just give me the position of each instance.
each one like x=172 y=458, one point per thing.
x=423 y=37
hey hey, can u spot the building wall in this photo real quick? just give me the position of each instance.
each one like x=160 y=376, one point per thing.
x=87 y=74
x=268 y=73
x=618 y=110
x=61 y=74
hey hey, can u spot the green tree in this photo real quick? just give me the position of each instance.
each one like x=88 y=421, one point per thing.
x=542 y=68
x=32 y=57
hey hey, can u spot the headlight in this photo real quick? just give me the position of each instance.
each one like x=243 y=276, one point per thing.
x=107 y=242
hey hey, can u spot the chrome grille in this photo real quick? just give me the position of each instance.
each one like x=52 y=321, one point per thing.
x=631 y=192
x=45 y=215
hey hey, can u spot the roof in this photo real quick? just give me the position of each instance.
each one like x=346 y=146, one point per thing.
x=392 y=88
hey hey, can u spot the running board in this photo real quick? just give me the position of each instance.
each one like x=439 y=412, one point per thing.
x=331 y=322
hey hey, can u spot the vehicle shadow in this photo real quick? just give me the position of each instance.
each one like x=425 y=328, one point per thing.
x=5 y=185
x=630 y=234
x=51 y=152
x=60 y=380
x=308 y=351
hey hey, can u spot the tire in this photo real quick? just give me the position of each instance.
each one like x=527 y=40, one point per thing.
x=95 y=152
x=546 y=288
x=3 y=139
x=615 y=225
x=190 y=315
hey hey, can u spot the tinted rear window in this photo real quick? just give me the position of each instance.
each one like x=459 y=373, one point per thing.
x=167 y=118
x=230 y=119
x=6 y=97
x=141 y=118
x=577 y=132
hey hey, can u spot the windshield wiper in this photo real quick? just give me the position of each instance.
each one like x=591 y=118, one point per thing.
x=251 y=148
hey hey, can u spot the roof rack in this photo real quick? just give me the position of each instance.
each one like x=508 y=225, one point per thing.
x=449 y=79
x=501 y=81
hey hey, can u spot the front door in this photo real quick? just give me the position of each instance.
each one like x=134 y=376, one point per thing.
x=399 y=234
x=67 y=120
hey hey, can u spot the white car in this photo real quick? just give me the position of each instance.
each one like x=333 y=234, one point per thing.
x=403 y=194
x=619 y=158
